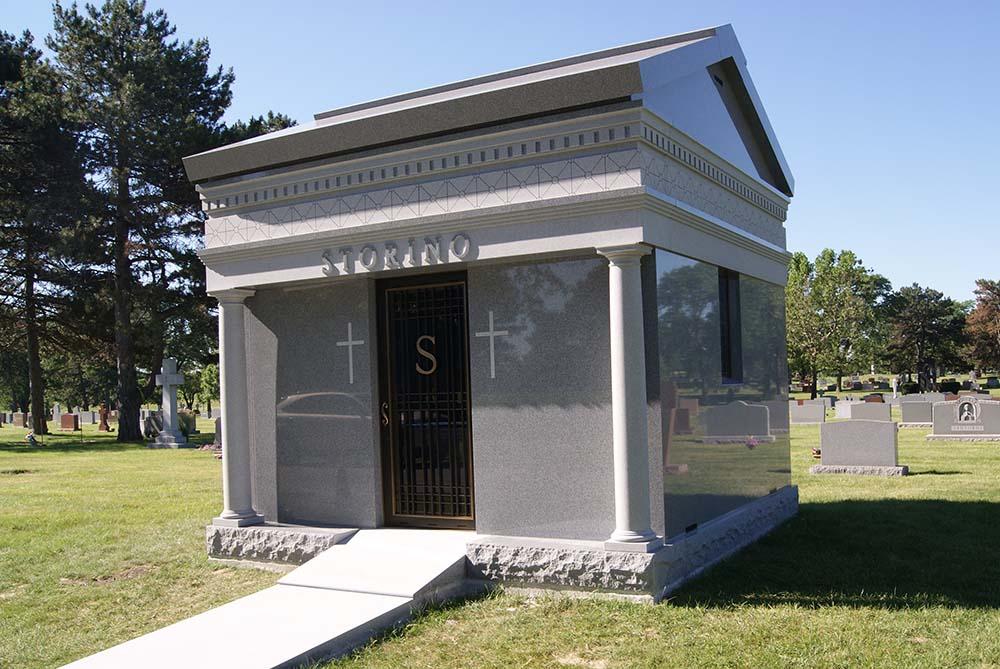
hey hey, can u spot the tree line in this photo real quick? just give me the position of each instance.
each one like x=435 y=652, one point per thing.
x=844 y=318
x=99 y=227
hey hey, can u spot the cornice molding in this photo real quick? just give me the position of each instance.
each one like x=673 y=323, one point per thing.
x=635 y=199
x=521 y=147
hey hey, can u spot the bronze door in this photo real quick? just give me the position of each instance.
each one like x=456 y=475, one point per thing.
x=426 y=435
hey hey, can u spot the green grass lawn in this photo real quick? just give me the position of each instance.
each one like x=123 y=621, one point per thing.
x=101 y=542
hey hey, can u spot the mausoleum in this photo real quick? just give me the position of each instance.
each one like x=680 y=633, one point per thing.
x=544 y=306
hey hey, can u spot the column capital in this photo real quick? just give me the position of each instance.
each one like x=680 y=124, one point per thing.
x=232 y=295
x=624 y=254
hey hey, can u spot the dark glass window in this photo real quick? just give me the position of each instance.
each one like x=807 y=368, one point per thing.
x=729 y=320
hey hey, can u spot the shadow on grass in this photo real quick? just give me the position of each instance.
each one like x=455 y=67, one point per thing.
x=880 y=553
x=936 y=472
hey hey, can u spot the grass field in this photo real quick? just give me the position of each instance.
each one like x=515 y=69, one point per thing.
x=101 y=542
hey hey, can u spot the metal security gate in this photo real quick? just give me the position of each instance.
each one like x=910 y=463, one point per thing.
x=426 y=436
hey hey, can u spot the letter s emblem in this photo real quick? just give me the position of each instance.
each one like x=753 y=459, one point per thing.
x=427 y=354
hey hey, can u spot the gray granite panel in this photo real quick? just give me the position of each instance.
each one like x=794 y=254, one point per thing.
x=542 y=426
x=704 y=480
x=312 y=427
x=844 y=408
x=917 y=412
x=807 y=413
x=871 y=411
x=968 y=418
x=859 y=443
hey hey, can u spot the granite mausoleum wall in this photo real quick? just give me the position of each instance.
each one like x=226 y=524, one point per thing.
x=314 y=439
x=701 y=479
x=541 y=423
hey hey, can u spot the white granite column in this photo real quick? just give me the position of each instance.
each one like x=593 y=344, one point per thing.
x=236 y=491
x=628 y=401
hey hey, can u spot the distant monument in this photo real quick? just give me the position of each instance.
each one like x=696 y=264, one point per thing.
x=170 y=435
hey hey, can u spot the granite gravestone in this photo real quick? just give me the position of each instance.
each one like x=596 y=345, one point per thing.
x=966 y=419
x=859 y=447
x=170 y=435
x=870 y=411
x=777 y=411
x=736 y=422
x=800 y=414
x=69 y=421
x=916 y=414
x=843 y=408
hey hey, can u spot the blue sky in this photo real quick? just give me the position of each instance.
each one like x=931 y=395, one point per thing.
x=887 y=112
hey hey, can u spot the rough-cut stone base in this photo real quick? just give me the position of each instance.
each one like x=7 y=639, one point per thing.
x=863 y=470
x=288 y=544
x=688 y=555
x=923 y=425
x=585 y=565
x=963 y=437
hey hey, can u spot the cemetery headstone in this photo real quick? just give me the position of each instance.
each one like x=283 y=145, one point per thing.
x=57 y=413
x=966 y=419
x=170 y=435
x=736 y=422
x=69 y=421
x=844 y=408
x=21 y=420
x=218 y=433
x=682 y=421
x=691 y=404
x=871 y=411
x=859 y=447
x=800 y=414
x=777 y=413
x=916 y=414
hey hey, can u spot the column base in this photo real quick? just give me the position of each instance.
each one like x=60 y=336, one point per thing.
x=643 y=546
x=239 y=521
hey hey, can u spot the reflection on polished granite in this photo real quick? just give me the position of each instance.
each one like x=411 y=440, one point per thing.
x=704 y=478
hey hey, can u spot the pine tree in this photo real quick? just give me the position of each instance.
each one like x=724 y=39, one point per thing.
x=144 y=100
x=41 y=183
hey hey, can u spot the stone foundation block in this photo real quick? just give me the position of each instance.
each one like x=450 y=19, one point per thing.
x=586 y=565
x=287 y=544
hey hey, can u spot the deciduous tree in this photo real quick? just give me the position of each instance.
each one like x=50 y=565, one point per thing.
x=926 y=333
x=983 y=326
x=830 y=307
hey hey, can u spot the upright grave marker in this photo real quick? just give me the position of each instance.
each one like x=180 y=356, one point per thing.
x=966 y=419
x=735 y=422
x=170 y=435
x=916 y=414
x=859 y=447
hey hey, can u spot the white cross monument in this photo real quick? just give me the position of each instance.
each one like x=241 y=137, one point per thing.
x=170 y=436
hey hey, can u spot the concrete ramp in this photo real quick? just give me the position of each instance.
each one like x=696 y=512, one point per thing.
x=329 y=605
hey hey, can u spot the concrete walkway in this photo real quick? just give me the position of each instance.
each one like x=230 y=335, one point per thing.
x=329 y=605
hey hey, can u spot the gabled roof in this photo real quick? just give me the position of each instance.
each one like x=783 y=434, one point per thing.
x=604 y=77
